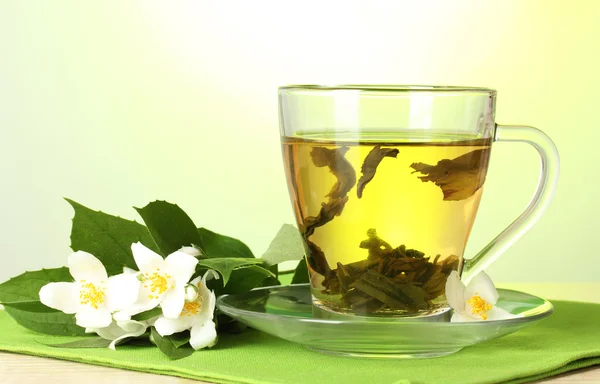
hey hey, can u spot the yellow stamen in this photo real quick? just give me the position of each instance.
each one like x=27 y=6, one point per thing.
x=479 y=306
x=158 y=283
x=191 y=308
x=91 y=294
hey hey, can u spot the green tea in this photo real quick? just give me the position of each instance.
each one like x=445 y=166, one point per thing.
x=384 y=222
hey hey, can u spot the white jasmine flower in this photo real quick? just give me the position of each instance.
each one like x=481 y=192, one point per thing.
x=163 y=281
x=119 y=331
x=196 y=315
x=93 y=296
x=476 y=301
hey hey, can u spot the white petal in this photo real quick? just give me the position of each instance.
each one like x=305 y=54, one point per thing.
x=181 y=265
x=85 y=266
x=500 y=314
x=118 y=331
x=455 y=292
x=209 y=275
x=172 y=303
x=130 y=329
x=208 y=296
x=483 y=286
x=207 y=307
x=111 y=332
x=152 y=321
x=122 y=291
x=122 y=315
x=204 y=335
x=166 y=327
x=146 y=301
x=192 y=251
x=132 y=326
x=127 y=270
x=460 y=317
x=93 y=318
x=61 y=296
x=208 y=301
x=146 y=259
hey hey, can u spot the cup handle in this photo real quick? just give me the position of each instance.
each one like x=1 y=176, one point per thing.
x=537 y=206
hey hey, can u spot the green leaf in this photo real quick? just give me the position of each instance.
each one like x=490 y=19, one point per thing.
x=287 y=245
x=88 y=342
x=147 y=315
x=244 y=279
x=170 y=227
x=39 y=318
x=225 y=266
x=20 y=297
x=274 y=269
x=142 y=340
x=180 y=339
x=166 y=346
x=29 y=306
x=301 y=273
x=107 y=237
x=26 y=287
x=216 y=245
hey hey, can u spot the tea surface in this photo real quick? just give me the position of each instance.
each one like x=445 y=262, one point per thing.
x=384 y=222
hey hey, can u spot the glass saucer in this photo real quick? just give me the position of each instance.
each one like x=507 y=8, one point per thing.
x=287 y=312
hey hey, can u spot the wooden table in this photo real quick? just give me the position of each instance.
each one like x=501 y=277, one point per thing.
x=29 y=369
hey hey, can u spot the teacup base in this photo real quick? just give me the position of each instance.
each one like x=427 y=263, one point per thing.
x=323 y=311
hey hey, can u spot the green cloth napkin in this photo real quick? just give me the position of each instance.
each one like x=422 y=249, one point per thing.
x=567 y=340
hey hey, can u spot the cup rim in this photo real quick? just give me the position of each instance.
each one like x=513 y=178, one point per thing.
x=394 y=88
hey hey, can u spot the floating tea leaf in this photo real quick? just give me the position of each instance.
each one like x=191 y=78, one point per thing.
x=401 y=251
x=316 y=259
x=366 y=305
x=339 y=166
x=344 y=277
x=346 y=178
x=379 y=294
x=459 y=178
x=359 y=267
x=435 y=286
x=406 y=293
x=353 y=296
x=405 y=264
x=390 y=278
x=375 y=245
x=450 y=263
x=370 y=165
x=328 y=211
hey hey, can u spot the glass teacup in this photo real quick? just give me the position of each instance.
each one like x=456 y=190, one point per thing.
x=385 y=182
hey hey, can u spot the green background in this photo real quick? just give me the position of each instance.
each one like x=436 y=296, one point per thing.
x=117 y=103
